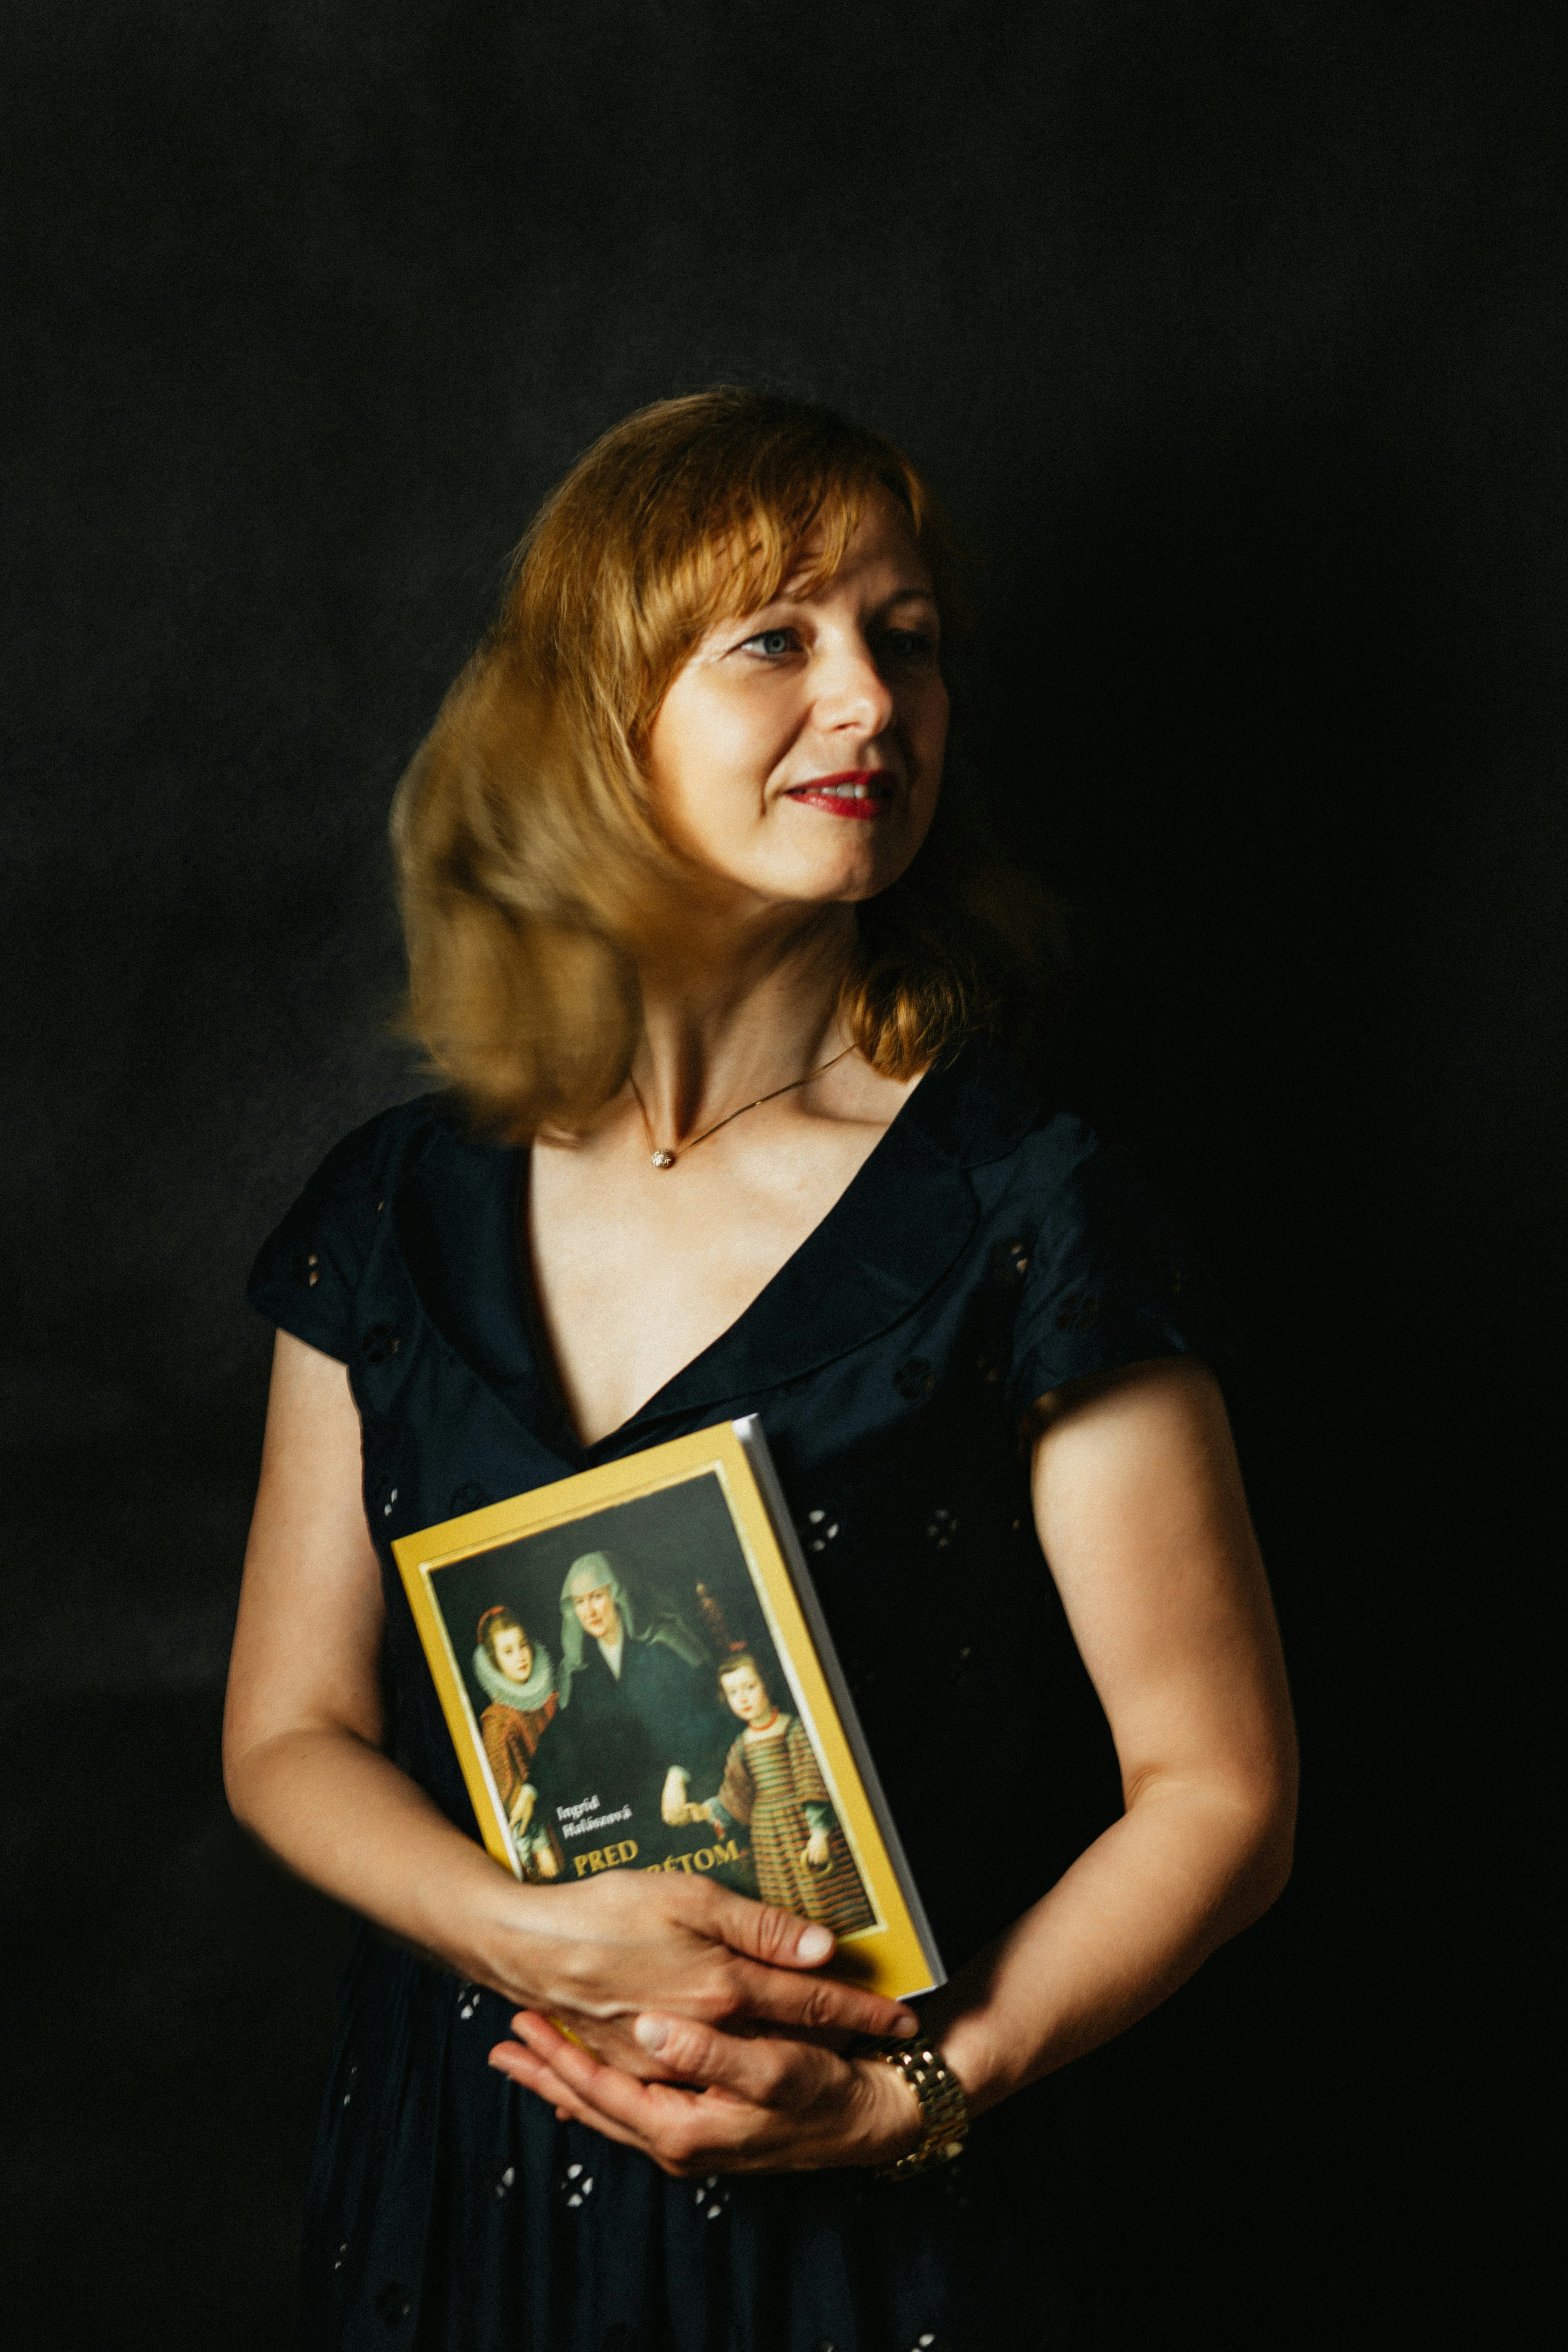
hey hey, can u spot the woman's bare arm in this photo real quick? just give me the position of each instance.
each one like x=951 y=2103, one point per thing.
x=1139 y=1508
x=1140 y=1511
x=305 y=1772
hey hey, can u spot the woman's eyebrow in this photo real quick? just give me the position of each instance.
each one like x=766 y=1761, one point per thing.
x=753 y=616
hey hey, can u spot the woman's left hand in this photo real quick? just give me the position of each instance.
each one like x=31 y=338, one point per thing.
x=740 y=2104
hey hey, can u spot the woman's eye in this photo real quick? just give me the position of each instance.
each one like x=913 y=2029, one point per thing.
x=771 y=643
x=911 y=645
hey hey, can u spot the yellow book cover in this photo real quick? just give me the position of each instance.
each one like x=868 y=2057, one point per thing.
x=637 y=1674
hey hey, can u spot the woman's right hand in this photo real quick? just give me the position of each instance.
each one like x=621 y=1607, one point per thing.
x=601 y=1955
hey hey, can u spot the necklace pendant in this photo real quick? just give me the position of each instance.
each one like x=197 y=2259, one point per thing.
x=664 y=1159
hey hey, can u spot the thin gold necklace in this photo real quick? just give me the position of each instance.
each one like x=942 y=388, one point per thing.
x=663 y=1158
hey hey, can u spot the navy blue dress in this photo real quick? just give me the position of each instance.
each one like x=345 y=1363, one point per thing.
x=988 y=1250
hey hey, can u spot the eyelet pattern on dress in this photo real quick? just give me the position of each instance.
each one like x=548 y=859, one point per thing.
x=393 y=2303
x=1009 y=1261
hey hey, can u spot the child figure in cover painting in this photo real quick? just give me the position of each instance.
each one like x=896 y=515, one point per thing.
x=518 y=1680
x=773 y=1784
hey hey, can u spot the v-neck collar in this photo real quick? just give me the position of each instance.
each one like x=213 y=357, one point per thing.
x=884 y=1245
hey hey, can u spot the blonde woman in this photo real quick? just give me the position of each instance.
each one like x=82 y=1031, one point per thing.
x=724 y=994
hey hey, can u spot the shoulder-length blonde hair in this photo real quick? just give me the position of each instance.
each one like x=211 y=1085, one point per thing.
x=527 y=851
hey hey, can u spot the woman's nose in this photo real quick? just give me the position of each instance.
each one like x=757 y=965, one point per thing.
x=852 y=693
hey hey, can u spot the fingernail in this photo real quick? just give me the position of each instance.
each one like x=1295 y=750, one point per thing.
x=814 y=1943
x=652 y=2032
x=905 y=2023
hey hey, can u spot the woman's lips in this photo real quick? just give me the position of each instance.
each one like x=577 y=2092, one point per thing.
x=862 y=793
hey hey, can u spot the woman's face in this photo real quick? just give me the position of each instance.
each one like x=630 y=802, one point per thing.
x=598 y=1613
x=748 y=1694
x=513 y=1654
x=798 y=753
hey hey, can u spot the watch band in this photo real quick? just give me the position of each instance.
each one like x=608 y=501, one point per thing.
x=943 y=2107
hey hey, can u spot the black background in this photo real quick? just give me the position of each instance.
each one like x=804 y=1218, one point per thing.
x=1232 y=335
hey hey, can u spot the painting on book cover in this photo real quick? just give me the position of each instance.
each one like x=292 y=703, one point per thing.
x=634 y=1710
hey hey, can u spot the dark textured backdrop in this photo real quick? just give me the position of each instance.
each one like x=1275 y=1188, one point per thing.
x=1232 y=333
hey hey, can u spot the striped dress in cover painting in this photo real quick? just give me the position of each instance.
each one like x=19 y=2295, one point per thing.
x=768 y=1783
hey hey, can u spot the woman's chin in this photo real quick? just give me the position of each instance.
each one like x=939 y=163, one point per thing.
x=836 y=881
x=797 y=862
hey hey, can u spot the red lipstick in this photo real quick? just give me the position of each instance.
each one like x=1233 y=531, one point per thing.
x=859 y=794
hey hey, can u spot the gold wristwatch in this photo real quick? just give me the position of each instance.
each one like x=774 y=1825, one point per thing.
x=943 y=2107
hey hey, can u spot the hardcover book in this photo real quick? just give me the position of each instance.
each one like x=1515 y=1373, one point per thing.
x=637 y=1674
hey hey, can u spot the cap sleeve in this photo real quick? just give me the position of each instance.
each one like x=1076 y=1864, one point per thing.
x=1112 y=1279
x=308 y=1269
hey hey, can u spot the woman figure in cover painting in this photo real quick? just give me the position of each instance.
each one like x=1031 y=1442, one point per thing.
x=639 y=1716
x=519 y=1681
x=740 y=1110
x=772 y=1786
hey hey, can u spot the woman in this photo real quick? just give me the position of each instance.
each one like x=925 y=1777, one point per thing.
x=772 y=1786
x=520 y=1685
x=638 y=1711
x=704 y=949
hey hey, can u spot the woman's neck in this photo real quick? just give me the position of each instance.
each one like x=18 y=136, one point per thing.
x=732 y=1010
